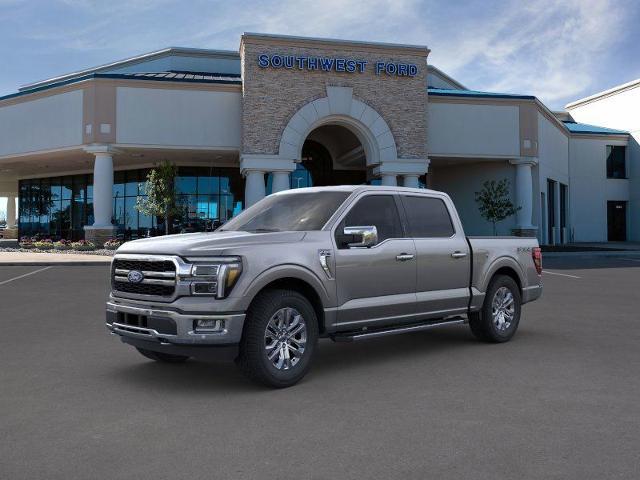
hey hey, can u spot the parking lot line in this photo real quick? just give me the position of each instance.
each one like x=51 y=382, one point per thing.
x=25 y=275
x=561 y=274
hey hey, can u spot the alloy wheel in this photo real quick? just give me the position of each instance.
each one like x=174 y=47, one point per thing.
x=503 y=309
x=285 y=338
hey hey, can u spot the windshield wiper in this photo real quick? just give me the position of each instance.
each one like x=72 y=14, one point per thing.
x=263 y=230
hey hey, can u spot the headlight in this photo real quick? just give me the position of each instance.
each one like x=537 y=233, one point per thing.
x=214 y=276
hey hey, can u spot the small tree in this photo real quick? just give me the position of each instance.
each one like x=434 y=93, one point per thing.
x=161 y=195
x=494 y=202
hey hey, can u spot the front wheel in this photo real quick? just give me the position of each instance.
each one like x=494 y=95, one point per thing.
x=499 y=317
x=279 y=338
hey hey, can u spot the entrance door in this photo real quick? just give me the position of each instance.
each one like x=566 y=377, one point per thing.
x=376 y=285
x=617 y=221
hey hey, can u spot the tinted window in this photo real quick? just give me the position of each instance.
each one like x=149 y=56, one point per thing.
x=379 y=211
x=427 y=217
x=292 y=211
x=616 y=167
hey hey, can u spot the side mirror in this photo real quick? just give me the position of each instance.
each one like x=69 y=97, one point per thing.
x=360 y=236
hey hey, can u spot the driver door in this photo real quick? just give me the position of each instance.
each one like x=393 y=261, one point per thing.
x=376 y=284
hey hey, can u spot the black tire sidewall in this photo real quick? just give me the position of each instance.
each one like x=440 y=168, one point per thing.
x=493 y=333
x=253 y=355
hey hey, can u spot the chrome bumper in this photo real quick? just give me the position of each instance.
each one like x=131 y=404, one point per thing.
x=184 y=322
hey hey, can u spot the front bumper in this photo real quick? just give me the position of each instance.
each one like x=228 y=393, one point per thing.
x=166 y=326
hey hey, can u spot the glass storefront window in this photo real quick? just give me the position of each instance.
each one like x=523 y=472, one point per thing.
x=60 y=207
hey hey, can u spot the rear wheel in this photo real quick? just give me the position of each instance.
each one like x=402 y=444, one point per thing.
x=279 y=338
x=162 y=357
x=499 y=317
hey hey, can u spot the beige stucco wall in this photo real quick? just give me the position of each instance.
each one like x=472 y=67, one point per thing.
x=271 y=96
x=54 y=121
x=467 y=129
x=178 y=117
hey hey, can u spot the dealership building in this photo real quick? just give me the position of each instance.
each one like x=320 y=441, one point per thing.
x=288 y=112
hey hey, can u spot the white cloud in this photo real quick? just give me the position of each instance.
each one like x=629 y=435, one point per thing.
x=548 y=48
x=545 y=48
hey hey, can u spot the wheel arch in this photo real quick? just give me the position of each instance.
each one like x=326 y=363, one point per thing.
x=504 y=266
x=294 y=278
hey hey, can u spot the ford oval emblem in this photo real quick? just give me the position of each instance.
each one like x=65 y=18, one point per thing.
x=135 y=276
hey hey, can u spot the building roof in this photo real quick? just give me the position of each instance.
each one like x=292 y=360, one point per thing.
x=165 y=52
x=584 y=128
x=476 y=94
x=604 y=93
x=170 y=76
x=436 y=71
x=175 y=75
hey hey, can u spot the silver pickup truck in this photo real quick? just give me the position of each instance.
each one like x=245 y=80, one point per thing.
x=347 y=263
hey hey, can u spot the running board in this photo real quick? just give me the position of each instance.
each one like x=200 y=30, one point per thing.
x=366 y=334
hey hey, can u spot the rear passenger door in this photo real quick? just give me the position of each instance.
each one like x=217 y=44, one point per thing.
x=442 y=254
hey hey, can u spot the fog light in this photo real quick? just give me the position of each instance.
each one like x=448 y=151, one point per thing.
x=204 y=288
x=209 y=325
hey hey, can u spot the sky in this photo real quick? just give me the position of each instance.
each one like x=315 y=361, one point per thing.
x=557 y=50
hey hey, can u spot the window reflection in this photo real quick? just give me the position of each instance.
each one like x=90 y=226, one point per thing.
x=60 y=207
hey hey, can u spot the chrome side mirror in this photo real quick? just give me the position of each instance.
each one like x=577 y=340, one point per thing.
x=361 y=236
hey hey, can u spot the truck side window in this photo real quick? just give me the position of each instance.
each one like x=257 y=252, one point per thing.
x=379 y=211
x=428 y=217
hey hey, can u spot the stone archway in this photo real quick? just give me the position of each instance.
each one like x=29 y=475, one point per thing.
x=340 y=108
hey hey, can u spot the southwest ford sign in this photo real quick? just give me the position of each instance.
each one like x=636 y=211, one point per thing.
x=334 y=64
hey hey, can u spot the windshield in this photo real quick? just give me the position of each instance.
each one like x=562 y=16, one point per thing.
x=295 y=211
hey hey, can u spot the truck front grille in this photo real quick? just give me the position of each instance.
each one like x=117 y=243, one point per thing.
x=158 y=277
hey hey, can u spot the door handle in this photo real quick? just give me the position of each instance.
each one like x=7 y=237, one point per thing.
x=403 y=257
x=458 y=254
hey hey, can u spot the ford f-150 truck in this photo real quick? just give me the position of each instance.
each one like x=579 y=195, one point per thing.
x=345 y=262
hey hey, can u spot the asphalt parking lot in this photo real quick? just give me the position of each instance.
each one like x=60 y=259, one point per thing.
x=559 y=401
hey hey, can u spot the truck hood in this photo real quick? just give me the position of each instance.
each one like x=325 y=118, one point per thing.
x=206 y=243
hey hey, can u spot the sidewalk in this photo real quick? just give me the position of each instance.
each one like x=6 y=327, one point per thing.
x=32 y=258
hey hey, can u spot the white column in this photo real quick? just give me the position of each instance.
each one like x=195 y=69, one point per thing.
x=11 y=212
x=524 y=192
x=254 y=187
x=411 y=181
x=103 y=189
x=389 y=180
x=280 y=181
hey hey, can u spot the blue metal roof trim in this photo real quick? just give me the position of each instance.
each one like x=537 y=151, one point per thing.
x=585 y=128
x=229 y=79
x=444 y=92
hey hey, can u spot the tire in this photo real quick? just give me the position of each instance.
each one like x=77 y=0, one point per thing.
x=162 y=357
x=493 y=328
x=279 y=323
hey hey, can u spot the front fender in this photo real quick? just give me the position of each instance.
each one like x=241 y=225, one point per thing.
x=280 y=272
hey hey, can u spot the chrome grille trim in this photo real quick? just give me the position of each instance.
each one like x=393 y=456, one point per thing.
x=147 y=274
x=161 y=274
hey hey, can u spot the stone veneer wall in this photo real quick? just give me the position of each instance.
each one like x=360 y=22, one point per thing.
x=271 y=96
